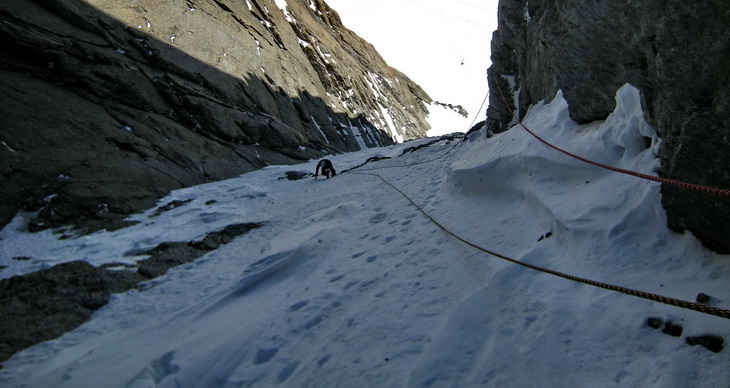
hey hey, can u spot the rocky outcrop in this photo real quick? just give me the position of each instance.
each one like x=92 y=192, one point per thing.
x=172 y=254
x=675 y=52
x=43 y=305
x=109 y=105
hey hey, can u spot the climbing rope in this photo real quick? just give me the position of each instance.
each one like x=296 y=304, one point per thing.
x=673 y=182
x=723 y=313
x=484 y=101
x=710 y=310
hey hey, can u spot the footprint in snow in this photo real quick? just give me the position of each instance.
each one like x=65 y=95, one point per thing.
x=265 y=355
x=324 y=360
x=313 y=322
x=287 y=371
x=378 y=218
x=161 y=368
x=298 y=305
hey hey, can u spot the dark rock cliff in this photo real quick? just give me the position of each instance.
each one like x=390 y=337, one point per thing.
x=108 y=105
x=676 y=52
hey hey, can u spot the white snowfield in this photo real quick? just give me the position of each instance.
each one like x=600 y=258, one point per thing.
x=348 y=285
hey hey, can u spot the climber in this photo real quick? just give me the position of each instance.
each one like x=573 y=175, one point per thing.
x=327 y=169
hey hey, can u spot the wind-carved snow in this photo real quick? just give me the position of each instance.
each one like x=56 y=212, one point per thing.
x=347 y=284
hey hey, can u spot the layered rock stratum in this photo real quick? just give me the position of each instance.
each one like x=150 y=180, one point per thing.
x=675 y=52
x=108 y=105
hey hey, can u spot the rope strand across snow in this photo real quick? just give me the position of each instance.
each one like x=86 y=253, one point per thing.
x=718 y=312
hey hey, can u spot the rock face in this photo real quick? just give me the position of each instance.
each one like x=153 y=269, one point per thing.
x=108 y=105
x=675 y=52
x=43 y=305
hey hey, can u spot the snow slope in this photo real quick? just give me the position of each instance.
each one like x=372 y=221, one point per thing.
x=348 y=285
x=432 y=41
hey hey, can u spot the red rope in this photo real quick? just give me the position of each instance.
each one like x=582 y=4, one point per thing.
x=674 y=182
